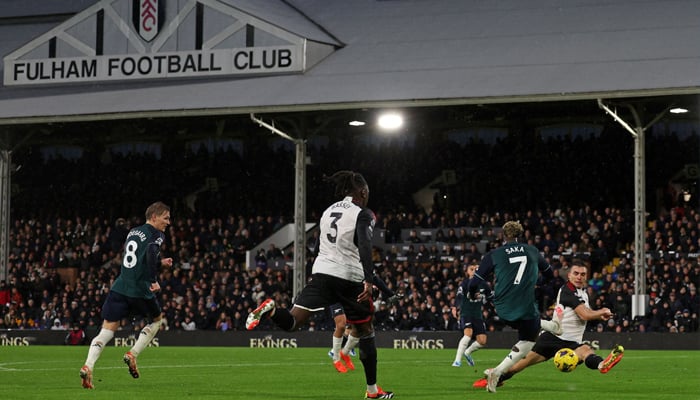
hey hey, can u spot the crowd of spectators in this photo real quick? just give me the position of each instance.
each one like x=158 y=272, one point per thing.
x=210 y=288
x=220 y=210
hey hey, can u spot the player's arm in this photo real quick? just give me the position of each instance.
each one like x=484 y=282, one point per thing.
x=587 y=314
x=363 y=235
x=544 y=267
x=484 y=271
x=461 y=290
x=153 y=263
x=381 y=285
x=488 y=293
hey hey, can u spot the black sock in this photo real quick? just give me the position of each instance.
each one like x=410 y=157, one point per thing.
x=593 y=360
x=368 y=356
x=505 y=376
x=284 y=319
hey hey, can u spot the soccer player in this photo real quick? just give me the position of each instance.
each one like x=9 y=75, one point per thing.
x=342 y=273
x=133 y=292
x=573 y=299
x=471 y=318
x=341 y=332
x=516 y=267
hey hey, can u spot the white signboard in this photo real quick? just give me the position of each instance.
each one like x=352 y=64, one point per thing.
x=240 y=61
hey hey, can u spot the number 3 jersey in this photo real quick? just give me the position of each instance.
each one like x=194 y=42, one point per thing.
x=140 y=262
x=346 y=231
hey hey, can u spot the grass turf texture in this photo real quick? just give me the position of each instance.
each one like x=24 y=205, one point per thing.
x=51 y=372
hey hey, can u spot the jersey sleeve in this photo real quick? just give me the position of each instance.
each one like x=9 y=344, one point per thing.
x=153 y=258
x=482 y=273
x=544 y=267
x=364 y=231
x=567 y=298
x=381 y=285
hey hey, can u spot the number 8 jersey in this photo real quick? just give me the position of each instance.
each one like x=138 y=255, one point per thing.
x=140 y=262
x=339 y=254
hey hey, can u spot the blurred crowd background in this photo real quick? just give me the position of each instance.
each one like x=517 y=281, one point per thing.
x=71 y=212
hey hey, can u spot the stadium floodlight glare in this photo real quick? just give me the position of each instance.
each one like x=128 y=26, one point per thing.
x=356 y=123
x=390 y=121
x=678 y=110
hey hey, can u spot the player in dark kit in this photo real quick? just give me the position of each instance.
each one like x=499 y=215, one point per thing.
x=342 y=273
x=471 y=318
x=515 y=267
x=133 y=292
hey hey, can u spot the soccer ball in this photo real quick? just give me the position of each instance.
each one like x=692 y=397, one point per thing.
x=565 y=360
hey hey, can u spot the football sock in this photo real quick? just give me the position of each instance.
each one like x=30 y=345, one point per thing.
x=97 y=345
x=284 y=319
x=368 y=356
x=474 y=347
x=147 y=334
x=462 y=346
x=337 y=344
x=549 y=326
x=505 y=376
x=518 y=352
x=350 y=344
x=593 y=361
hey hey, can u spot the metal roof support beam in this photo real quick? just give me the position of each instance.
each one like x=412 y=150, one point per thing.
x=639 y=299
x=6 y=171
x=5 y=192
x=299 y=205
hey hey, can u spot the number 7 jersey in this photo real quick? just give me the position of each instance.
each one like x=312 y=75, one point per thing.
x=516 y=269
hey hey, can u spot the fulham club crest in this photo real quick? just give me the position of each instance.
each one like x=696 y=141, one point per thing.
x=148 y=17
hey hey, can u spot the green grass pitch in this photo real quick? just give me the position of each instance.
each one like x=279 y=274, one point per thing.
x=51 y=372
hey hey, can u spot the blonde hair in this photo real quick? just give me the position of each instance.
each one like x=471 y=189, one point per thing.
x=156 y=209
x=512 y=229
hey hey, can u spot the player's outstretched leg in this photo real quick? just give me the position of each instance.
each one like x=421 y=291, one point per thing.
x=613 y=358
x=130 y=361
x=254 y=317
x=86 y=377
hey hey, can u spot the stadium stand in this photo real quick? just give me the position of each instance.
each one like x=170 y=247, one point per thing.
x=66 y=241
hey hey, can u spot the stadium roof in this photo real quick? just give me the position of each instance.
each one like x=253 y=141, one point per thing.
x=397 y=53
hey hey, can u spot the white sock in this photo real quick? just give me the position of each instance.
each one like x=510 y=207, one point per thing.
x=523 y=347
x=474 y=347
x=147 y=334
x=549 y=326
x=337 y=344
x=97 y=345
x=350 y=344
x=462 y=347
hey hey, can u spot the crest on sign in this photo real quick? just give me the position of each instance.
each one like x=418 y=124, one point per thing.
x=148 y=17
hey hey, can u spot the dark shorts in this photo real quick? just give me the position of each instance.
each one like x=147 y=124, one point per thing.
x=117 y=306
x=547 y=345
x=528 y=329
x=477 y=325
x=325 y=290
x=336 y=310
